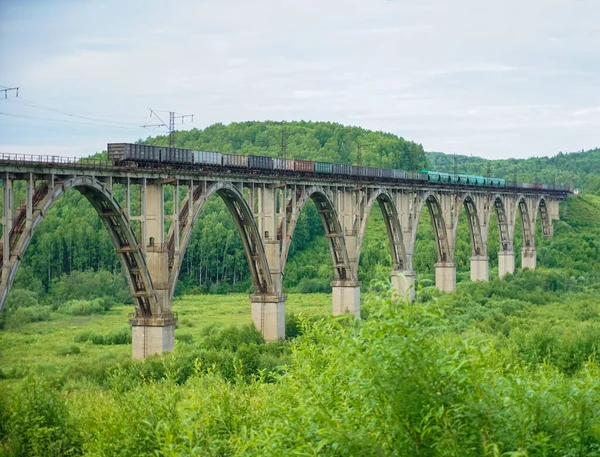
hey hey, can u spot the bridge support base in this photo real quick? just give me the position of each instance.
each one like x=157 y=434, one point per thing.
x=528 y=258
x=268 y=314
x=506 y=263
x=152 y=335
x=345 y=296
x=445 y=276
x=479 y=268
x=403 y=282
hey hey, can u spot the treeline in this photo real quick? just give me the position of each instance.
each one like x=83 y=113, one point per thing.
x=577 y=169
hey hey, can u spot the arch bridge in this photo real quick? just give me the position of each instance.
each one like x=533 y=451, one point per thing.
x=265 y=209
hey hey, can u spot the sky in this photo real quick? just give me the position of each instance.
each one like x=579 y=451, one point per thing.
x=492 y=79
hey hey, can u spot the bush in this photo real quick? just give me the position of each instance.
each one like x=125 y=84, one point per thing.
x=22 y=316
x=119 y=336
x=68 y=350
x=313 y=286
x=86 y=307
x=21 y=298
x=36 y=422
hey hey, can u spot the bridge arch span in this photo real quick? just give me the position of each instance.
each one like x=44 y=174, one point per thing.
x=478 y=241
x=393 y=228
x=247 y=229
x=542 y=207
x=331 y=224
x=505 y=234
x=444 y=254
x=114 y=219
x=526 y=222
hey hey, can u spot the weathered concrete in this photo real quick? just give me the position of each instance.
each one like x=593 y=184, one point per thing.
x=528 y=258
x=479 y=268
x=445 y=276
x=152 y=335
x=506 y=263
x=268 y=315
x=345 y=296
x=403 y=282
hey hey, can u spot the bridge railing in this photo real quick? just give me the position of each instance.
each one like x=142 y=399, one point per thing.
x=50 y=160
x=538 y=186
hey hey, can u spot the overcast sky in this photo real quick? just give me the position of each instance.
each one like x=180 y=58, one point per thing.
x=511 y=78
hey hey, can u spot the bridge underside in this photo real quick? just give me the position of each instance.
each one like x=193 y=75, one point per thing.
x=265 y=211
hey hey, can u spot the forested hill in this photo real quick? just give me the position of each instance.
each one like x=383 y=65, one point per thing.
x=578 y=169
x=323 y=141
x=332 y=142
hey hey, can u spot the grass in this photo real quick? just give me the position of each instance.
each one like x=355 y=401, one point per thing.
x=47 y=347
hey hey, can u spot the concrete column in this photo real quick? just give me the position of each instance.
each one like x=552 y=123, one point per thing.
x=479 y=268
x=152 y=335
x=345 y=296
x=506 y=263
x=445 y=276
x=403 y=282
x=528 y=257
x=268 y=314
x=155 y=334
x=7 y=215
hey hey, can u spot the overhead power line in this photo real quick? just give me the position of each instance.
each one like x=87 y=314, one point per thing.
x=171 y=127
x=6 y=90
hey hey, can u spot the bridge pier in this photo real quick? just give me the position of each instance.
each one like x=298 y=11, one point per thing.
x=403 y=282
x=479 y=268
x=445 y=276
x=154 y=334
x=345 y=296
x=268 y=315
x=506 y=263
x=528 y=257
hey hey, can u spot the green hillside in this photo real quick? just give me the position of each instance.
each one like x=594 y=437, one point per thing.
x=577 y=169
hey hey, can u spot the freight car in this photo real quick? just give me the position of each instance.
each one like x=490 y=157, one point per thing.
x=125 y=154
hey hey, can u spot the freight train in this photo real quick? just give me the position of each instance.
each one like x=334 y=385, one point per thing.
x=140 y=155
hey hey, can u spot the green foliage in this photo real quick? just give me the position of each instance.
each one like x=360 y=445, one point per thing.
x=86 y=307
x=37 y=422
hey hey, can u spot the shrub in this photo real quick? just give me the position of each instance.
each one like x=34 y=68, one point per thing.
x=68 y=350
x=22 y=316
x=86 y=307
x=313 y=285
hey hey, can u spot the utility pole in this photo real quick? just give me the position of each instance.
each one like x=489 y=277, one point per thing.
x=171 y=126
x=16 y=89
x=358 y=154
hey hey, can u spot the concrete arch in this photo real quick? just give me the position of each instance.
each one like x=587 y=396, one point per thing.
x=333 y=231
x=120 y=230
x=542 y=208
x=477 y=239
x=504 y=229
x=247 y=229
x=392 y=224
x=439 y=226
x=527 y=228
